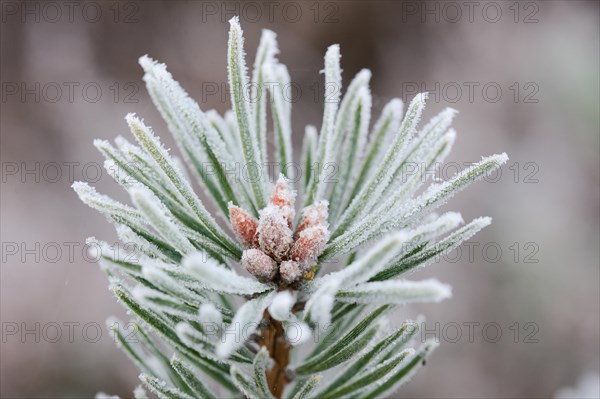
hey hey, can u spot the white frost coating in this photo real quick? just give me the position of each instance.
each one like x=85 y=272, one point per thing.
x=140 y=393
x=373 y=188
x=309 y=153
x=209 y=313
x=352 y=149
x=368 y=265
x=230 y=138
x=378 y=207
x=406 y=356
x=238 y=82
x=130 y=150
x=423 y=351
x=146 y=138
x=189 y=334
x=265 y=58
x=118 y=174
x=380 y=140
x=400 y=359
x=166 y=93
x=452 y=241
x=386 y=126
x=427 y=159
x=102 y=395
x=179 y=163
x=446 y=142
x=94 y=249
x=186 y=119
x=120 y=165
x=281 y=307
x=153 y=146
x=129 y=237
x=587 y=387
x=284 y=80
x=156 y=273
x=458 y=237
x=366 y=100
x=424 y=150
x=109 y=255
x=215 y=277
x=433 y=130
x=296 y=331
x=344 y=118
x=141 y=293
x=427 y=231
x=153 y=299
x=397 y=292
x=159 y=217
x=203 y=343
x=476 y=171
x=333 y=81
x=161 y=388
x=278 y=80
x=440 y=225
x=105 y=204
x=443 y=223
x=320 y=304
x=436 y=195
x=231 y=121
x=244 y=324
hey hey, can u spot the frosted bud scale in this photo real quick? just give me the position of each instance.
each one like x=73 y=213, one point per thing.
x=274 y=233
x=259 y=264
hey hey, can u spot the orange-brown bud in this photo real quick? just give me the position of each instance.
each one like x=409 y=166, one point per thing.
x=290 y=271
x=259 y=264
x=243 y=225
x=309 y=245
x=274 y=234
x=314 y=215
x=284 y=197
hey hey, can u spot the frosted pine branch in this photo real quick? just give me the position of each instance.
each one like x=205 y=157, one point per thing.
x=228 y=303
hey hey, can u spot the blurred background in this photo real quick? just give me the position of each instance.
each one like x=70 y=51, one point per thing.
x=524 y=319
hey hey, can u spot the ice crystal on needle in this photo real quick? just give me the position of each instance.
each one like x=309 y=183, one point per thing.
x=226 y=309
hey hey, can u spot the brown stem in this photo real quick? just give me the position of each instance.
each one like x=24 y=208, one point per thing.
x=273 y=337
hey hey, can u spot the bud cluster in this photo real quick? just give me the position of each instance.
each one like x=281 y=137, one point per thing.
x=275 y=251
